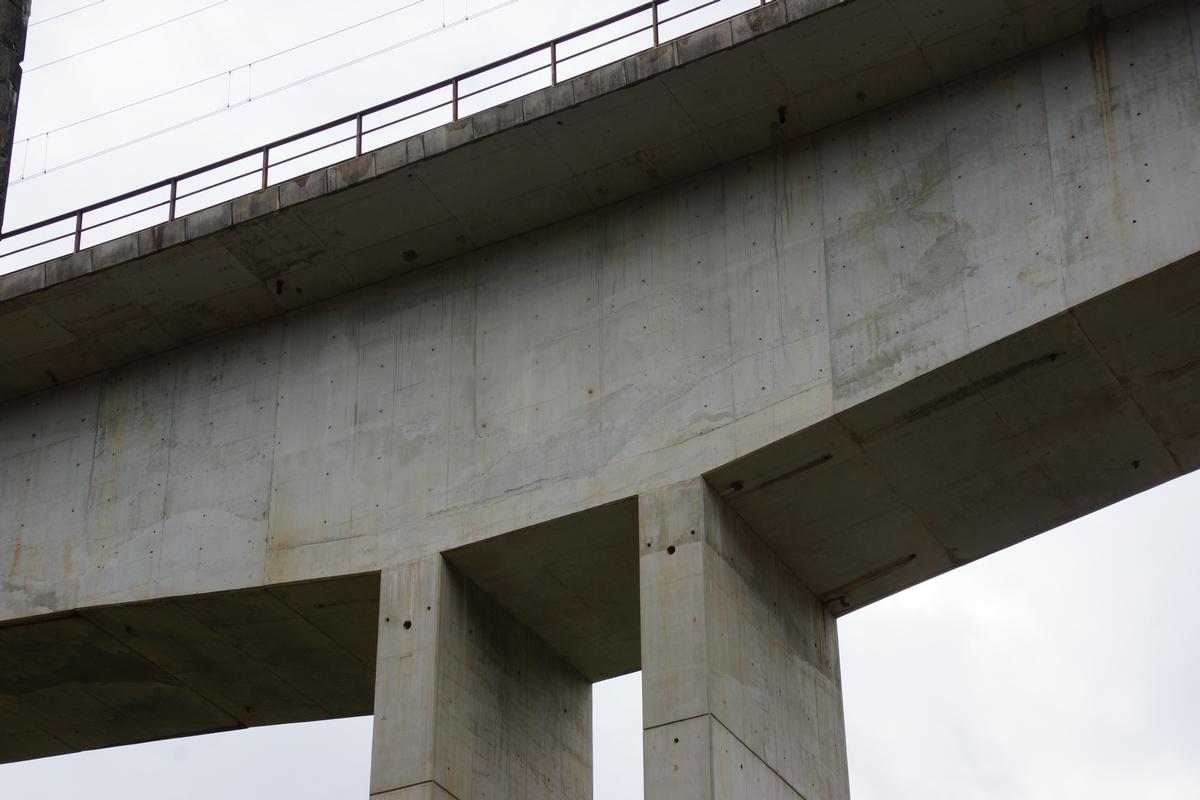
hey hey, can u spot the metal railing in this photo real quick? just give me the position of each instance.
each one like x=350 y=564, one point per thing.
x=448 y=95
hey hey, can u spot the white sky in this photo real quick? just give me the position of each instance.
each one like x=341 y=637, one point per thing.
x=1064 y=667
x=233 y=57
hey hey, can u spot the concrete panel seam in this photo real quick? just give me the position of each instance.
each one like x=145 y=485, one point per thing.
x=162 y=525
x=958 y=224
x=837 y=418
x=236 y=646
x=715 y=496
x=1146 y=417
x=676 y=721
x=95 y=444
x=750 y=749
x=433 y=782
x=275 y=433
x=299 y=612
x=131 y=647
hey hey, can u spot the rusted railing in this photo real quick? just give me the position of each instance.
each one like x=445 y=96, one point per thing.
x=450 y=95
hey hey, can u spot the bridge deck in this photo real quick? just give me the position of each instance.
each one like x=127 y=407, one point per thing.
x=766 y=76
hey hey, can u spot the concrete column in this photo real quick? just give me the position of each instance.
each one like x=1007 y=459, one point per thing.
x=468 y=702
x=14 y=21
x=741 y=691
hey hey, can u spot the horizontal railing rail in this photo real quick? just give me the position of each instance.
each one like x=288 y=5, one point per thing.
x=446 y=92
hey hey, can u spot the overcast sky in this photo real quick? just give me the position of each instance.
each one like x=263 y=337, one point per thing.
x=1064 y=667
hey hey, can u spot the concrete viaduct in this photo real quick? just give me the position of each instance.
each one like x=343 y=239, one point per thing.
x=665 y=367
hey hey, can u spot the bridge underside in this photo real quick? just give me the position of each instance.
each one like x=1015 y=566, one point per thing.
x=1073 y=414
x=806 y=379
x=108 y=676
x=1070 y=415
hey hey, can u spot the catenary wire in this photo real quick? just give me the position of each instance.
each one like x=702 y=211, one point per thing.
x=62 y=14
x=124 y=38
x=192 y=84
x=268 y=93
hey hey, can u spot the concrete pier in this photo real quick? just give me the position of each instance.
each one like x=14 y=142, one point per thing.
x=741 y=691
x=469 y=703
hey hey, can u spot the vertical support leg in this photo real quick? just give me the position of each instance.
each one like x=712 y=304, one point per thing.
x=741 y=687
x=14 y=20
x=468 y=702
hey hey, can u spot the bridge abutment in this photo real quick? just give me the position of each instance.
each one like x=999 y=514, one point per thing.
x=741 y=686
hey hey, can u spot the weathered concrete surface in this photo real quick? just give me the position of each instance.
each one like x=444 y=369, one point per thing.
x=892 y=346
x=573 y=581
x=192 y=665
x=469 y=702
x=669 y=336
x=770 y=75
x=1070 y=415
x=741 y=687
x=14 y=21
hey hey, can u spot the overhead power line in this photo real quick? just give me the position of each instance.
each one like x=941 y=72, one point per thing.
x=388 y=49
x=223 y=73
x=65 y=13
x=124 y=38
x=250 y=98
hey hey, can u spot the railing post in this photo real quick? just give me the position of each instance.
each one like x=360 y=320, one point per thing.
x=78 y=230
x=358 y=135
x=554 y=63
x=654 y=20
x=454 y=100
x=171 y=204
x=265 y=165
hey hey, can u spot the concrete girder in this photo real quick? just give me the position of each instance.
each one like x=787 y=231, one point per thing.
x=770 y=75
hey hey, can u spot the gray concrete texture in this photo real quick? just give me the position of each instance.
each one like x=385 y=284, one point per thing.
x=890 y=347
x=770 y=75
x=660 y=338
x=468 y=701
x=741 y=688
x=187 y=666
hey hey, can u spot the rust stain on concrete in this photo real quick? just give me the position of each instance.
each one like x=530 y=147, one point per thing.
x=16 y=559
x=1098 y=52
